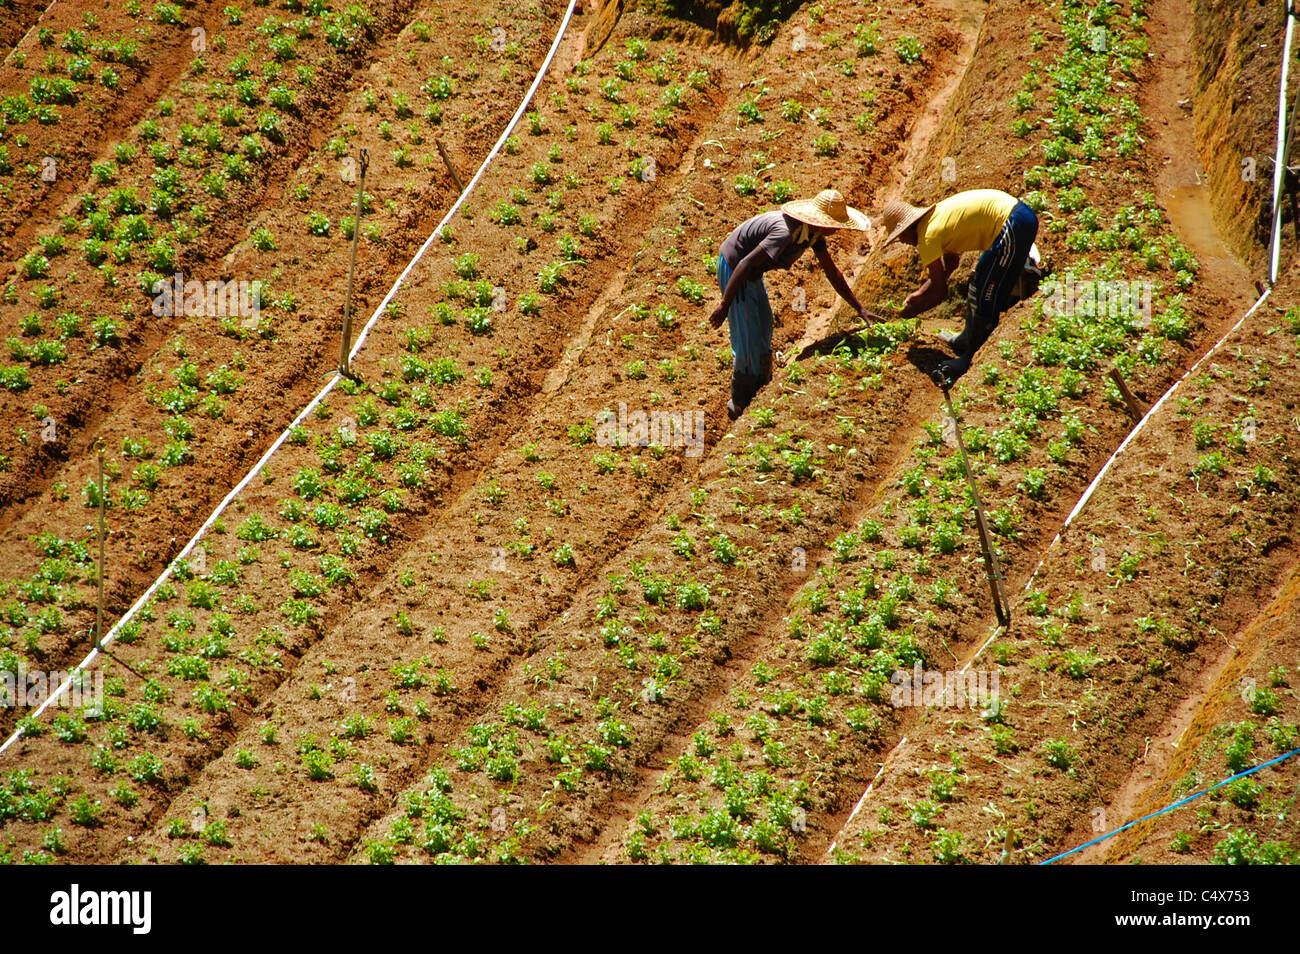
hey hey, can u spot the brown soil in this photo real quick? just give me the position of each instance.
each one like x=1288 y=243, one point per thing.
x=480 y=631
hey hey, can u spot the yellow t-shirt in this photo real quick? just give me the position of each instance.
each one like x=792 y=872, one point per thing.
x=965 y=222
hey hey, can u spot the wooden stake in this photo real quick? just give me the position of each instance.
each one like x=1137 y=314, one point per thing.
x=992 y=570
x=345 y=346
x=1134 y=408
x=460 y=187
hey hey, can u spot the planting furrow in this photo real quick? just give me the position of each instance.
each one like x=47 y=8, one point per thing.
x=230 y=384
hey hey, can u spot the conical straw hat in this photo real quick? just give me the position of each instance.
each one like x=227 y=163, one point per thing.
x=898 y=216
x=828 y=211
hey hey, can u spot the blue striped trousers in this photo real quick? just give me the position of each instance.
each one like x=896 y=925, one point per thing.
x=749 y=322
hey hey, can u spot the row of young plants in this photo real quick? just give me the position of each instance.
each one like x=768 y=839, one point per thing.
x=180 y=183
x=613 y=672
x=376 y=456
x=877 y=630
x=198 y=395
x=57 y=84
x=169 y=178
x=550 y=512
x=1123 y=620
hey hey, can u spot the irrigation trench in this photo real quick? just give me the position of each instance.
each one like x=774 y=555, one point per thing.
x=1273 y=269
x=324 y=392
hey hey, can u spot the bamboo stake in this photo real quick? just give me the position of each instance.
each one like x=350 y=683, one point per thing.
x=991 y=567
x=1134 y=408
x=99 y=596
x=345 y=345
x=460 y=186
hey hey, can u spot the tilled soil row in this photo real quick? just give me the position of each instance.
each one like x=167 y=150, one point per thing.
x=125 y=64
x=1247 y=716
x=275 y=377
x=518 y=376
x=284 y=170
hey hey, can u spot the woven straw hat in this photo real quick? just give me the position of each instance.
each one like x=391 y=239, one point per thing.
x=827 y=211
x=899 y=216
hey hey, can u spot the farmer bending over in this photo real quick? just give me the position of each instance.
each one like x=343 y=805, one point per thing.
x=774 y=240
x=981 y=220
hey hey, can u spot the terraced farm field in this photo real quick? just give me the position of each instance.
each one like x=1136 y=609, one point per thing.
x=515 y=589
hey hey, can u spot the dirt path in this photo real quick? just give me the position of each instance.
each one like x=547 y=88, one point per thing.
x=1181 y=181
x=1267 y=641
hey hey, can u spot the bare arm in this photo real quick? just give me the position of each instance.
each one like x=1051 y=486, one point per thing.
x=838 y=282
x=934 y=290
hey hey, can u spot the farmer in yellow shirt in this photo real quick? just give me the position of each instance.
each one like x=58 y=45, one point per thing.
x=990 y=221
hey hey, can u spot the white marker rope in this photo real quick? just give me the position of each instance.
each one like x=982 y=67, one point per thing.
x=1101 y=474
x=863 y=800
x=1279 y=161
x=315 y=402
x=1096 y=481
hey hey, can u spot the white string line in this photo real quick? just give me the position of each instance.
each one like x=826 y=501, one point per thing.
x=302 y=415
x=1279 y=167
x=863 y=800
x=1096 y=481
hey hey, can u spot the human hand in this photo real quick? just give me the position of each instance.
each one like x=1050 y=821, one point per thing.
x=718 y=317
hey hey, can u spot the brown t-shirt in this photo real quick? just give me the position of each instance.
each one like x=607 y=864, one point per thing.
x=773 y=232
